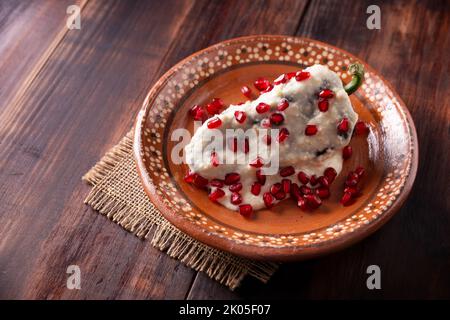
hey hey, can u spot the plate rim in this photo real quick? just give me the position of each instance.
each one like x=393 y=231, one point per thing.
x=272 y=253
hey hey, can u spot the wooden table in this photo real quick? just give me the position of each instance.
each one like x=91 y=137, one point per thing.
x=67 y=96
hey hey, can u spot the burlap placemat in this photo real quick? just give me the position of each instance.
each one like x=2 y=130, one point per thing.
x=117 y=193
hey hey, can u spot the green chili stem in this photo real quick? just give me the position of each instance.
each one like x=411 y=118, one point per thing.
x=357 y=71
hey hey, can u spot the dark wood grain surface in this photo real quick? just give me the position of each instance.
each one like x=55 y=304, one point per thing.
x=67 y=96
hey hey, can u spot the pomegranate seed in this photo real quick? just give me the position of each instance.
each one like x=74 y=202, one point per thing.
x=235 y=187
x=326 y=93
x=214 y=106
x=261 y=84
x=281 y=79
x=351 y=182
x=260 y=177
x=216 y=194
x=313 y=180
x=305 y=190
x=301 y=203
x=323 y=193
x=240 y=116
x=303 y=177
x=286 y=184
x=343 y=126
x=189 y=177
x=347 y=152
x=323 y=181
x=360 y=171
x=323 y=105
x=214 y=123
x=262 y=107
x=269 y=88
x=282 y=105
x=232 y=178
x=246 y=210
x=276 y=118
x=235 y=198
x=295 y=191
x=310 y=130
x=246 y=91
x=290 y=75
x=353 y=191
x=268 y=200
x=256 y=188
x=302 y=75
x=214 y=159
x=216 y=183
x=275 y=188
x=313 y=201
x=347 y=199
x=267 y=139
x=197 y=113
x=246 y=146
x=330 y=173
x=283 y=135
x=265 y=123
x=199 y=181
x=353 y=176
x=280 y=195
x=257 y=163
x=361 y=128
x=287 y=171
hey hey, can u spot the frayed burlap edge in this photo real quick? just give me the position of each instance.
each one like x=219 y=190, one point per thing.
x=221 y=266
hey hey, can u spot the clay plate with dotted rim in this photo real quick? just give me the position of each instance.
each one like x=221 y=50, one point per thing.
x=389 y=153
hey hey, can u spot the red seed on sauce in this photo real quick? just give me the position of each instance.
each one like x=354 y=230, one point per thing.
x=303 y=177
x=262 y=107
x=189 y=177
x=256 y=188
x=311 y=129
x=235 y=187
x=302 y=75
x=347 y=199
x=280 y=195
x=268 y=200
x=199 y=181
x=269 y=88
x=286 y=184
x=295 y=191
x=275 y=188
x=240 y=116
x=197 y=113
x=343 y=126
x=283 y=105
x=216 y=194
x=287 y=171
x=313 y=180
x=276 y=118
x=232 y=178
x=330 y=173
x=246 y=210
x=246 y=91
x=361 y=128
x=313 y=201
x=305 y=190
x=301 y=203
x=323 y=181
x=323 y=193
x=290 y=75
x=235 y=198
x=260 y=177
x=214 y=123
x=261 y=84
x=360 y=171
x=347 y=152
x=353 y=191
x=214 y=106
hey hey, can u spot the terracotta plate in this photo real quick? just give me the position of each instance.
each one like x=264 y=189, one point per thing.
x=389 y=153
